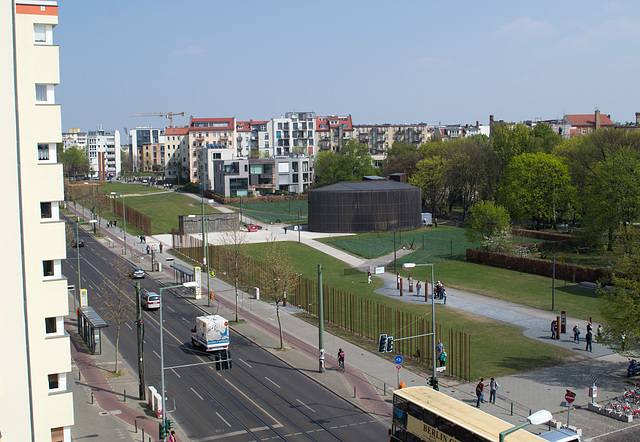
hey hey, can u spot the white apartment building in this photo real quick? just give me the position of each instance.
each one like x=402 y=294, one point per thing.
x=253 y=139
x=206 y=157
x=140 y=137
x=74 y=138
x=294 y=133
x=36 y=404
x=103 y=150
x=204 y=132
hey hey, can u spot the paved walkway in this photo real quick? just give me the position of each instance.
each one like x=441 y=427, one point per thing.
x=372 y=376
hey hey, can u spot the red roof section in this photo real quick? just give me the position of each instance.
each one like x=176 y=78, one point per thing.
x=221 y=124
x=589 y=120
x=325 y=123
x=245 y=126
x=176 y=130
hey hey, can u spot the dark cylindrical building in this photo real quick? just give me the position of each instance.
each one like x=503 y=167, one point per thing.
x=365 y=206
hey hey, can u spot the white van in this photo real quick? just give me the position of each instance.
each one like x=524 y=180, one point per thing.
x=562 y=435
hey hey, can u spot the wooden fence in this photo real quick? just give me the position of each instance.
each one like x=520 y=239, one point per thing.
x=362 y=317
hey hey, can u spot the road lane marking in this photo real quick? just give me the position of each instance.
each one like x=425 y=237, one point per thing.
x=174 y=372
x=169 y=308
x=127 y=324
x=154 y=352
x=223 y=419
x=306 y=405
x=256 y=405
x=272 y=382
x=245 y=362
x=196 y=393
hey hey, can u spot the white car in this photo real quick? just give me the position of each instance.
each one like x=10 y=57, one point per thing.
x=150 y=300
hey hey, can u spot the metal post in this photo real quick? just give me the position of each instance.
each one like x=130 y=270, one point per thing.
x=124 y=218
x=140 y=335
x=162 y=387
x=298 y=226
x=320 y=320
x=395 y=264
x=433 y=326
x=78 y=254
x=553 y=284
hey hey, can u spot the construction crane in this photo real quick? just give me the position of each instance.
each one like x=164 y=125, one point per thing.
x=169 y=115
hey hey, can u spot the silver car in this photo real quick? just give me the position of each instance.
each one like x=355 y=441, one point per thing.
x=150 y=300
x=136 y=273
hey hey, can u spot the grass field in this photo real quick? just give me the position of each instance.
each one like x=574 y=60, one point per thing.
x=497 y=349
x=285 y=211
x=163 y=208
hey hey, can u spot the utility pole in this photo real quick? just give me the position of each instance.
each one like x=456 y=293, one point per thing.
x=140 y=329
x=320 y=321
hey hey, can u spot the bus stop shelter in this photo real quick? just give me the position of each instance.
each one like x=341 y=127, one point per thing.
x=183 y=274
x=90 y=324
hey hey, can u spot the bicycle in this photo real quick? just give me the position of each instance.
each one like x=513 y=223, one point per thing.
x=341 y=365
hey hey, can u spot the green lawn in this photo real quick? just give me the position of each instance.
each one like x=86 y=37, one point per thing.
x=497 y=349
x=285 y=211
x=163 y=208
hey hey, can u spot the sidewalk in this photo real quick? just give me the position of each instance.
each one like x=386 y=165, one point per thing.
x=370 y=376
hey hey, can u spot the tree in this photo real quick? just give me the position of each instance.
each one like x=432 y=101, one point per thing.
x=401 y=158
x=233 y=245
x=545 y=139
x=74 y=161
x=614 y=195
x=430 y=176
x=486 y=220
x=119 y=307
x=278 y=277
x=507 y=141
x=535 y=186
x=350 y=164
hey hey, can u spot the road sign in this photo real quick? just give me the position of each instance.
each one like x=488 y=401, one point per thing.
x=398 y=359
x=398 y=367
x=570 y=396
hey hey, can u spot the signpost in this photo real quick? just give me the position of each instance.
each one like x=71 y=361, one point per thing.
x=398 y=361
x=569 y=396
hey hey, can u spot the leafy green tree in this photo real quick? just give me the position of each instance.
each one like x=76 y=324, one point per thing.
x=486 y=220
x=74 y=161
x=535 y=186
x=614 y=195
x=350 y=164
x=508 y=140
x=545 y=139
x=431 y=175
x=401 y=158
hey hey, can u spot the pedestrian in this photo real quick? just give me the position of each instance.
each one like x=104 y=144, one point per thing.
x=440 y=347
x=554 y=329
x=589 y=326
x=172 y=438
x=480 y=392
x=576 y=333
x=442 y=358
x=493 y=388
x=589 y=338
x=599 y=332
x=285 y=230
x=418 y=287
x=140 y=239
x=148 y=249
x=444 y=295
x=160 y=247
x=115 y=223
x=368 y=277
x=438 y=290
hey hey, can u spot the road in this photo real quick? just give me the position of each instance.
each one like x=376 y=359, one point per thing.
x=260 y=398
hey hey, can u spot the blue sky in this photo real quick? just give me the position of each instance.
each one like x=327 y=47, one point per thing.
x=394 y=61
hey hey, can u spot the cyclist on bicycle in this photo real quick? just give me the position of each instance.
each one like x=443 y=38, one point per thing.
x=341 y=358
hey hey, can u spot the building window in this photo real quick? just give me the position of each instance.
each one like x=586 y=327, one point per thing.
x=54 y=381
x=42 y=34
x=44 y=94
x=45 y=210
x=47 y=268
x=43 y=152
x=305 y=166
x=295 y=177
x=51 y=325
x=294 y=167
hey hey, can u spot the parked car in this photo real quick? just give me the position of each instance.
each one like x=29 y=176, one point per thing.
x=150 y=300
x=136 y=273
x=78 y=244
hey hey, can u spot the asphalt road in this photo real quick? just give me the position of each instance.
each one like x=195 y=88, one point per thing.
x=260 y=398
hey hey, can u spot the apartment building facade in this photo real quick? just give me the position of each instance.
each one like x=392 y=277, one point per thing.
x=176 y=141
x=37 y=404
x=74 y=138
x=208 y=131
x=294 y=133
x=333 y=132
x=103 y=151
x=252 y=139
x=140 y=137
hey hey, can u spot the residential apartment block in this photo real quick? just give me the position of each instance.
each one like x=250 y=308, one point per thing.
x=103 y=151
x=140 y=137
x=176 y=143
x=253 y=139
x=208 y=131
x=380 y=137
x=36 y=404
x=333 y=132
x=74 y=138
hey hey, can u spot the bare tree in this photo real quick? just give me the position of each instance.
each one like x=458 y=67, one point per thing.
x=120 y=306
x=279 y=276
x=233 y=245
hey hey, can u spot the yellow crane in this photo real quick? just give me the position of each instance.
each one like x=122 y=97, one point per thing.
x=169 y=115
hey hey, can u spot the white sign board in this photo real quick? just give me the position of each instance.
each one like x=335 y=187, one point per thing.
x=198 y=274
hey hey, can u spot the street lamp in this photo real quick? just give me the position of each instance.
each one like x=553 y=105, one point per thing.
x=78 y=222
x=124 y=218
x=162 y=289
x=410 y=265
x=537 y=418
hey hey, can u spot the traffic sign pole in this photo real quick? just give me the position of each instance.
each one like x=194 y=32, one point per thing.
x=570 y=396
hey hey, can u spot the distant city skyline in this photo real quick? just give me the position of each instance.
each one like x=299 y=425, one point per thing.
x=380 y=62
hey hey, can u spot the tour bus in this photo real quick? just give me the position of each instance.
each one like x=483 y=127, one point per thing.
x=424 y=414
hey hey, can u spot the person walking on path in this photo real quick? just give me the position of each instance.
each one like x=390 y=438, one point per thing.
x=576 y=333
x=443 y=358
x=589 y=338
x=493 y=388
x=418 y=287
x=368 y=276
x=440 y=347
x=554 y=329
x=160 y=247
x=480 y=392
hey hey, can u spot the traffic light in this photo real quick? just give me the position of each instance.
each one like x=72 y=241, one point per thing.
x=382 y=343
x=168 y=425
x=389 y=344
x=162 y=430
x=433 y=382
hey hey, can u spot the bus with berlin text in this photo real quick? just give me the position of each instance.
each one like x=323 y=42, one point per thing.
x=424 y=414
